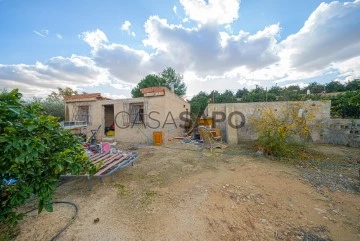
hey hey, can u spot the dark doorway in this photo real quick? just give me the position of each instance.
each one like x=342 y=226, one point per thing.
x=109 y=120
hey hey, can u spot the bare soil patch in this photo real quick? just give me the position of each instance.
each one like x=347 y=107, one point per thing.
x=175 y=194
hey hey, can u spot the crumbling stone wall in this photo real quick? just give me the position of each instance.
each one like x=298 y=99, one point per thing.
x=319 y=110
x=342 y=132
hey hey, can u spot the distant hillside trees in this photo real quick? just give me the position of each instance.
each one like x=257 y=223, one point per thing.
x=334 y=86
x=54 y=104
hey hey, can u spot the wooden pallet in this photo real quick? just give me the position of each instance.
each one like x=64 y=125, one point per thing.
x=110 y=163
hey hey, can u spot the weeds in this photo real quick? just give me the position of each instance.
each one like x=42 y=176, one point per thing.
x=8 y=233
x=147 y=198
x=121 y=188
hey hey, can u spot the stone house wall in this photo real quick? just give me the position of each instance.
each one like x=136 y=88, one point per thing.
x=156 y=110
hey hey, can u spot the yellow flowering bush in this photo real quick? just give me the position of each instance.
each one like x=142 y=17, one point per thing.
x=280 y=131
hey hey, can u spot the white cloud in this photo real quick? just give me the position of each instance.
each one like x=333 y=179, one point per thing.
x=175 y=9
x=185 y=49
x=113 y=96
x=202 y=50
x=330 y=34
x=210 y=55
x=349 y=69
x=42 y=33
x=41 y=78
x=123 y=62
x=206 y=51
x=212 y=11
x=121 y=85
x=327 y=45
x=126 y=27
x=228 y=28
x=59 y=36
x=95 y=38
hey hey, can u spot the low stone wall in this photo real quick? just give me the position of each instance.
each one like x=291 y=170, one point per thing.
x=342 y=132
x=320 y=110
x=325 y=130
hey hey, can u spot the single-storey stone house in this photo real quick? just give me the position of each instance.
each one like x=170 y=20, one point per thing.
x=133 y=120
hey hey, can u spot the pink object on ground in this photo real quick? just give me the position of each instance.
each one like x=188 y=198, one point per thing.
x=105 y=147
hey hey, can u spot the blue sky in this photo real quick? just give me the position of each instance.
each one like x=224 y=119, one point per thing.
x=108 y=46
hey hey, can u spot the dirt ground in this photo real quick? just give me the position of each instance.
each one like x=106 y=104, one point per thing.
x=176 y=194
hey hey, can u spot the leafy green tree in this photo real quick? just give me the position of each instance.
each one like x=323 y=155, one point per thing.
x=346 y=105
x=269 y=97
x=259 y=94
x=55 y=108
x=165 y=78
x=52 y=106
x=291 y=93
x=226 y=97
x=255 y=95
x=214 y=96
x=241 y=92
x=315 y=88
x=353 y=85
x=35 y=151
x=170 y=76
x=334 y=86
x=293 y=88
x=54 y=103
x=150 y=80
x=275 y=90
x=198 y=104
x=61 y=93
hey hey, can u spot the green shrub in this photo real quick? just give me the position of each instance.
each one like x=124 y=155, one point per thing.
x=280 y=132
x=346 y=105
x=35 y=151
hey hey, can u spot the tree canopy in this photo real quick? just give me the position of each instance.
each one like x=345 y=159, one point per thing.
x=315 y=88
x=150 y=80
x=198 y=104
x=61 y=93
x=353 y=85
x=346 y=105
x=241 y=92
x=334 y=86
x=54 y=104
x=226 y=97
x=165 y=78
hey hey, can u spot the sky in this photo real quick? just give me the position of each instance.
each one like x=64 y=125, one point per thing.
x=108 y=46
